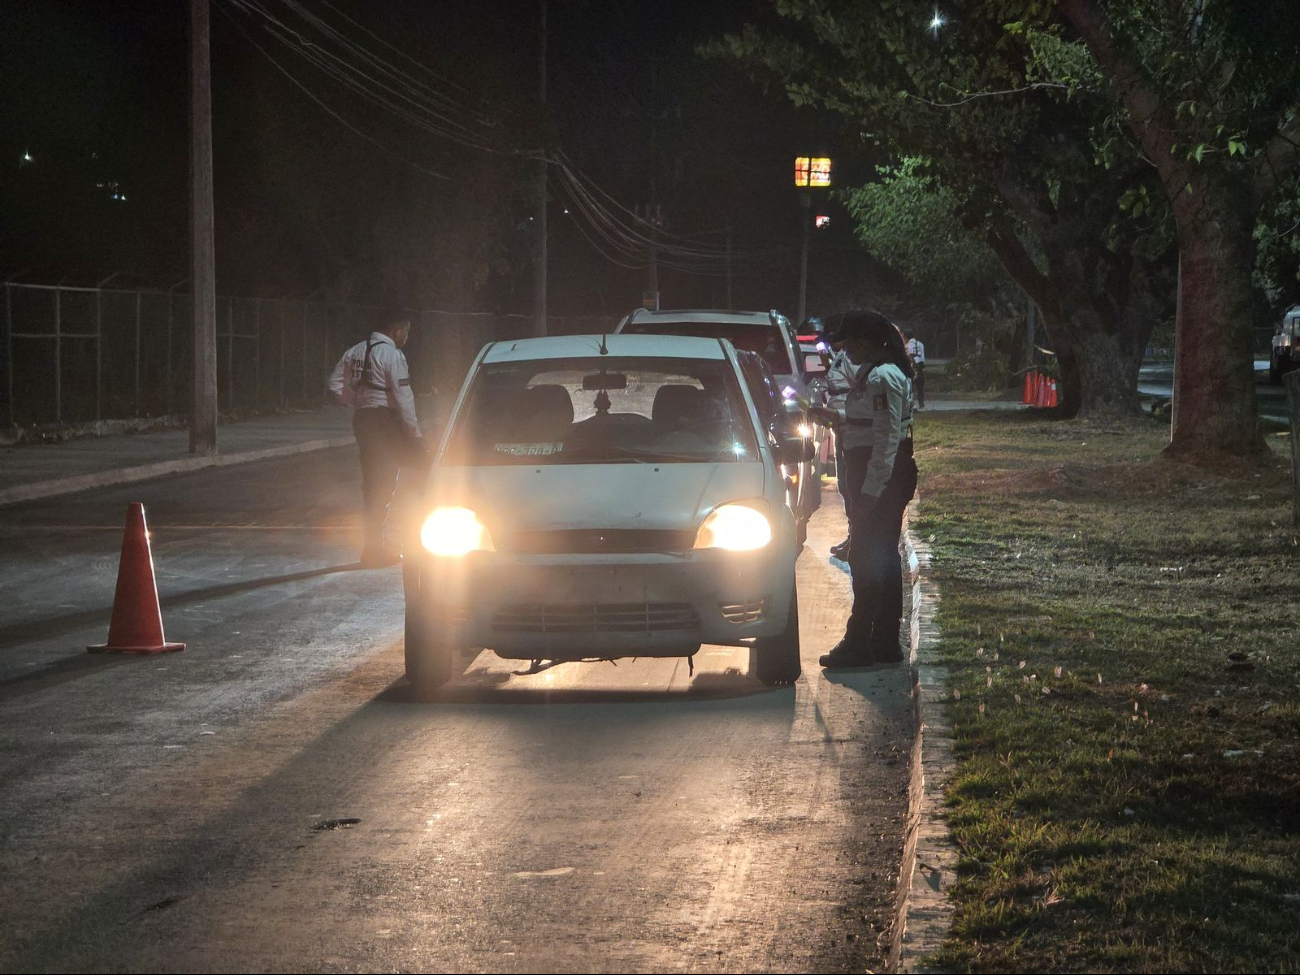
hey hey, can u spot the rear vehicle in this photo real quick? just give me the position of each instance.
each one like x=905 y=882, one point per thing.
x=1285 y=353
x=770 y=335
x=597 y=497
x=772 y=415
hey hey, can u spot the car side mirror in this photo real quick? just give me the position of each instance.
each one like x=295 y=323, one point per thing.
x=789 y=445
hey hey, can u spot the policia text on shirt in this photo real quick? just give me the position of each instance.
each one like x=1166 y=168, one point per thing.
x=373 y=378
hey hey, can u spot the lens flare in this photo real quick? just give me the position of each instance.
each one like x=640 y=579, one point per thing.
x=454 y=532
x=735 y=527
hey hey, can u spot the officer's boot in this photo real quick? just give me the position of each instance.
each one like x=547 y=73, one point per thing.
x=852 y=651
x=885 y=646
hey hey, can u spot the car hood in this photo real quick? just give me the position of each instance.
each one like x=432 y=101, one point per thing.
x=614 y=496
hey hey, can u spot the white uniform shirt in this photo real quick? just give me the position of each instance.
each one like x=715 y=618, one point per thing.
x=386 y=382
x=916 y=349
x=839 y=380
x=878 y=416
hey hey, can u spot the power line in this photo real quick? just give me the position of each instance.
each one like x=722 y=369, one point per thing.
x=306 y=91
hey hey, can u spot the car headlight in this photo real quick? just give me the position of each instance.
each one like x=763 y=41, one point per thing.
x=455 y=532
x=735 y=527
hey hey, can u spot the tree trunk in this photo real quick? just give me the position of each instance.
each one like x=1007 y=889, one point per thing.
x=1214 y=407
x=1099 y=364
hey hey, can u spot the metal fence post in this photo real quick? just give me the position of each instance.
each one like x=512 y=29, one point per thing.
x=302 y=355
x=169 y=407
x=58 y=356
x=257 y=353
x=1292 y=383
x=9 y=355
x=99 y=354
x=281 y=369
x=137 y=353
x=230 y=355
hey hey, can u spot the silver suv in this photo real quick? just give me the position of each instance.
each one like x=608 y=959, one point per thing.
x=773 y=337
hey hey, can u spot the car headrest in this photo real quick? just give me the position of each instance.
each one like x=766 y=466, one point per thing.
x=674 y=405
x=545 y=410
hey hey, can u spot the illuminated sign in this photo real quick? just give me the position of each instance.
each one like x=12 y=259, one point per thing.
x=821 y=220
x=812 y=171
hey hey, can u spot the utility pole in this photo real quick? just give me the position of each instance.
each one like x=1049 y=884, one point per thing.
x=805 y=205
x=539 y=256
x=729 y=304
x=203 y=412
x=656 y=218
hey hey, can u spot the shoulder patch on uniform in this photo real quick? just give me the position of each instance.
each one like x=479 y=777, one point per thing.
x=878 y=402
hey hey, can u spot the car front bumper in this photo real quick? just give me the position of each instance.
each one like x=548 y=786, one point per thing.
x=559 y=607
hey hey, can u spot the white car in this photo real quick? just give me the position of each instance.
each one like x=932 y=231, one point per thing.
x=596 y=497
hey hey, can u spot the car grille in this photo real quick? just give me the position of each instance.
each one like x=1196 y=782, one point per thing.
x=594 y=541
x=746 y=612
x=596 y=618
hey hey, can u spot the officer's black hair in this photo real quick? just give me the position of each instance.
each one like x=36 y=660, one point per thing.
x=880 y=332
x=392 y=318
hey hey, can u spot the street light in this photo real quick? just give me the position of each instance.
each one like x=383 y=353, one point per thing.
x=810 y=172
x=936 y=22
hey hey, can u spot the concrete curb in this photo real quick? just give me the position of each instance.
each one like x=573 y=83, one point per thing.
x=144 y=472
x=929 y=863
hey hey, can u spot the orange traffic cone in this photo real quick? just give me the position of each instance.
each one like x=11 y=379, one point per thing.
x=1051 y=393
x=1028 y=396
x=1041 y=401
x=136 y=626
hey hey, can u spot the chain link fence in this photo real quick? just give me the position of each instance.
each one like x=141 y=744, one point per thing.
x=80 y=355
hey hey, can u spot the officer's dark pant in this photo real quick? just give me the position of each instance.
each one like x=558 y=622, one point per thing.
x=919 y=383
x=385 y=448
x=873 y=552
x=841 y=475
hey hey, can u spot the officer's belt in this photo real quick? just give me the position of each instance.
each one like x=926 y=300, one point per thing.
x=860 y=421
x=839 y=390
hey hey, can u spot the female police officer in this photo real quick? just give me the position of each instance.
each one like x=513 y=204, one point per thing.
x=881 y=475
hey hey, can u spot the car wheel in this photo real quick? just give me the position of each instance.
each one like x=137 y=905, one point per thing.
x=774 y=660
x=430 y=658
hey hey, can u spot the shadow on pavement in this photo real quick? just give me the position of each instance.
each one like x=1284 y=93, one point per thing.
x=492 y=687
x=69 y=668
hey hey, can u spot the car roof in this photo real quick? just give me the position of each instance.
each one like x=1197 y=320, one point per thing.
x=583 y=346
x=685 y=315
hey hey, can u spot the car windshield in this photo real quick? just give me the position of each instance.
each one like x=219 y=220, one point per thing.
x=606 y=410
x=761 y=337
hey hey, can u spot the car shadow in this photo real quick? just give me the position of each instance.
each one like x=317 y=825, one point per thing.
x=499 y=688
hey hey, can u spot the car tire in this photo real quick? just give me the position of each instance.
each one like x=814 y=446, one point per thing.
x=431 y=659
x=774 y=660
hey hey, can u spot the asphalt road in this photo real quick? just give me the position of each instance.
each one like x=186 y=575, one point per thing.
x=1157 y=379
x=172 y=813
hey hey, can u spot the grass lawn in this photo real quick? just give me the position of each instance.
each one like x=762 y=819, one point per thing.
x=1121 y=632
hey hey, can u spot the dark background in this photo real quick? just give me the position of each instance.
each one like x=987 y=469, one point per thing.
x=97 y=94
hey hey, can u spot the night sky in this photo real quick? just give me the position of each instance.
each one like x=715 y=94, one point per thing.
x=348 y=210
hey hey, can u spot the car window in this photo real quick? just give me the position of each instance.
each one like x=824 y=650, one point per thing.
x=762 y=388
x=764 y=338
x=601 y=411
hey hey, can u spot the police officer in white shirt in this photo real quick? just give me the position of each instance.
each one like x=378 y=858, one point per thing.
x=839 y=380
x=916 y=350
x=373 y=378
x=880 y=476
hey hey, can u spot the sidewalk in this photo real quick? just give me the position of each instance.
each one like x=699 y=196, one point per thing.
x=31 y=471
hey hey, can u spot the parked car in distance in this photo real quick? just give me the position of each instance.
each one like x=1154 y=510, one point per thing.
x=803 y=488
x=596 y=497
x=1285 y=353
